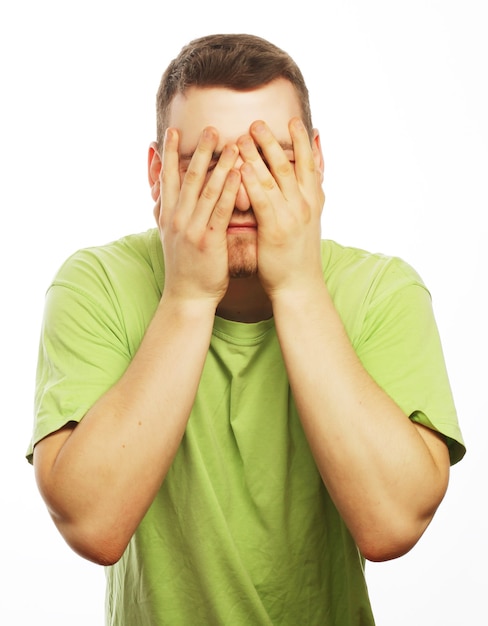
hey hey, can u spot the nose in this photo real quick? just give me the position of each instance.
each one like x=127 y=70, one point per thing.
x=242 y=199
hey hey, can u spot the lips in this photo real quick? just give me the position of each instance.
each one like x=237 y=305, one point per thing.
x=242 y=221
x=242 y=226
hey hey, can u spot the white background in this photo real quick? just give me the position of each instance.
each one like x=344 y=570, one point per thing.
x=399 y=92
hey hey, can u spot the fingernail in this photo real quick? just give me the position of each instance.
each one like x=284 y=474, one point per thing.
x=208 y=133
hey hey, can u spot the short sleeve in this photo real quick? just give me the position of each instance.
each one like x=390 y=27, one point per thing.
x=96 y=312
x=83 y=350
x=400 y=347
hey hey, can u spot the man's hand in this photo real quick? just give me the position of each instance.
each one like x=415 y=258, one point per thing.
x=193 y=212
x=100 y=478
x=287 y=198
x=385 y=474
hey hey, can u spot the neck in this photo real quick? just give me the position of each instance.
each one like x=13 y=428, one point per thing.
x=245 y=301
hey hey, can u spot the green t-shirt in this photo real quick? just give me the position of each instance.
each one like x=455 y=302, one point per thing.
x=243 y=531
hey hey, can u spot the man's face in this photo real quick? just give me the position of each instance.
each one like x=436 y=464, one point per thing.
x=231 y=113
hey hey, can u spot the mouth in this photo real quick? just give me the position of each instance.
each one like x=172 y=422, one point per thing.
x=245 y=225
x=241 y=227
x=242 y=222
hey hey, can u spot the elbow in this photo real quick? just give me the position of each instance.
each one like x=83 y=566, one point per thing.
x=100 y=546
x=100 y=554
x=95 y=535
x=385 y=550
x=391 y=541
x=398 y=530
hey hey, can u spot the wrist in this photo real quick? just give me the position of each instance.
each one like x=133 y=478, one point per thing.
x=188 y=308
x=302 y=296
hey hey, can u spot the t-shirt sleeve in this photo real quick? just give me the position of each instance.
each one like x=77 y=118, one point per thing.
x=400 y=347
x=83 y=350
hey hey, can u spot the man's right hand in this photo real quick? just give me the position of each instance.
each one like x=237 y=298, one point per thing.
x=99 y=478
x=194 y=207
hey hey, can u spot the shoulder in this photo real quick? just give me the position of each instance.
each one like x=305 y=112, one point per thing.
x=367 y=286
x=346 y=262
x=129 y=268
x=356 y=273
x=117 y=285
x=124 y=258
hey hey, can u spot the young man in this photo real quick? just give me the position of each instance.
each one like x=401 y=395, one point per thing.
x=231 y=413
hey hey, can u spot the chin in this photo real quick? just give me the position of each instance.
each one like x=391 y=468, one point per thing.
x=242 y=271
x=242 y=259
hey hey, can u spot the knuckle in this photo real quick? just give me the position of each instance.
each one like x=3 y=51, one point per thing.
x=209 y=193
x=220 y=211
x=175 y=223
x=310 y=164
x=192 y=175
x=284 y=169
x=269 y=183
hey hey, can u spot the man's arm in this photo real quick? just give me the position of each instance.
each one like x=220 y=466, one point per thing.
x=385 y=474
x=100 y=477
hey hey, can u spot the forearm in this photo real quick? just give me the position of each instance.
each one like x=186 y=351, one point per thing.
x=100 y=479
x=373 y=460
x=107 y=473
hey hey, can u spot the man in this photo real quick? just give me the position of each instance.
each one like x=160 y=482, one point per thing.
x=231 y=413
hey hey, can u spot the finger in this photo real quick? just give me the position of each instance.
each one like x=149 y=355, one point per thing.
x=251 y=155
x=170 y=176
x=157 y=210
x=224 y=207
x=259 y=197
x=305 y=166
x=278 y=156
x=202 y=159
x=214 y=187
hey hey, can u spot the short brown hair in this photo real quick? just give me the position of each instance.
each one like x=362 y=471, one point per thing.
x=240 y=62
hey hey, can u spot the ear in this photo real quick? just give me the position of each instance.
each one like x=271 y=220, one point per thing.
x=154 y=165
x=317 y=153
